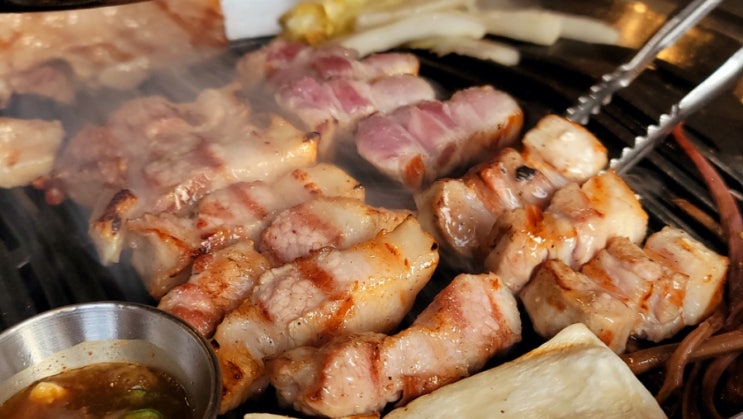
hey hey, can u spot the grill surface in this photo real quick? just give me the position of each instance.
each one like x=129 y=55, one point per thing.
x=47 y=260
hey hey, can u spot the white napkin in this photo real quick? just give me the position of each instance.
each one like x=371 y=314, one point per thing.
x=253 y=18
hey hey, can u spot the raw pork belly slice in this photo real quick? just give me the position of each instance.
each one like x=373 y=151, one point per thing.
x=333 y=107
x=369 y=287
x=627 y=291
x=573 y=228
x=460 y=212
x=468 y=322
x=281 y=62
x=27 y=150
x=166 y=243
x=419 y=143
x=329 y=89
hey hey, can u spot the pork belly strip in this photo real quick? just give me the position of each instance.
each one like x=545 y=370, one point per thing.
x=219 y=282
x=460 y=212
x=368 y=287
x=629 y=291
x=53 y=54
x=27 y=149
x=468 y=322
x=337 y=222
x=166 y=243
x=169 y=155
x=328 y=89
x=573 y=228
x=333 y=107
x=419 y=143
x=281 y=61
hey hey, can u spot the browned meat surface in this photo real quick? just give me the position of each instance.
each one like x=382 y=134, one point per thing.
x=367 y=287
x=27 y=149
x=468 y=322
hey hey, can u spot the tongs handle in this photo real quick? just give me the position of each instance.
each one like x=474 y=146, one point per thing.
x=600 y=94
x=711 y=87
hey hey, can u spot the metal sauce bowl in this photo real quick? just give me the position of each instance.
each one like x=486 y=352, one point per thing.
x=84 y=334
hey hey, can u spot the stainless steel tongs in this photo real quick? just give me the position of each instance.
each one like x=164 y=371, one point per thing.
x=601 y=93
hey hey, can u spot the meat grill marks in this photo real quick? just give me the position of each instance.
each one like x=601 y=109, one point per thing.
x=27 y=149
x=418 y=143
x=337 y=222
x=577 y=223
x=222 y=279
x=628 y=291
x=468 y=322
x=219 y=282
x=328 y=90
x=165 y=243
x=367 y=287
x=461 y=212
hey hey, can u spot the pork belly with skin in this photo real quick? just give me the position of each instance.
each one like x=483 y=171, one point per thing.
x=368 y=287
x=337 y=222
x=629 y=291
x=27 y=150
x=460 y=212
x=573 y=228
x=468 y=322
x=166 y=243
x=416 y=144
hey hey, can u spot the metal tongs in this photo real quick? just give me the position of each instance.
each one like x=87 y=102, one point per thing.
x=601 y=93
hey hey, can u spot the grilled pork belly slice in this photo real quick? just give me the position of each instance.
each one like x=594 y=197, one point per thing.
x=468 y=322
x=27 y=149
x=222 y=279
x=706 y=270
x=166 y=243
x=654 y=292
x=338 y=222
x=170 y=154
x=242 y=210
x=578 y=223
x=625 y=291
x=367 y=287
x=460 y=212
x=219 y=282
x=563 y=151
x=557 y=296
x=53 y=54
x=572 y=375
x=167 y=156
x=418 y=143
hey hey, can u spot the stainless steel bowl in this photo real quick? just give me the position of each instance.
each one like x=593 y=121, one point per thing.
x=83 y=334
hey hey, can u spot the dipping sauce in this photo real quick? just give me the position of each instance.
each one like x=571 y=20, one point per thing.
x=111 y=390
